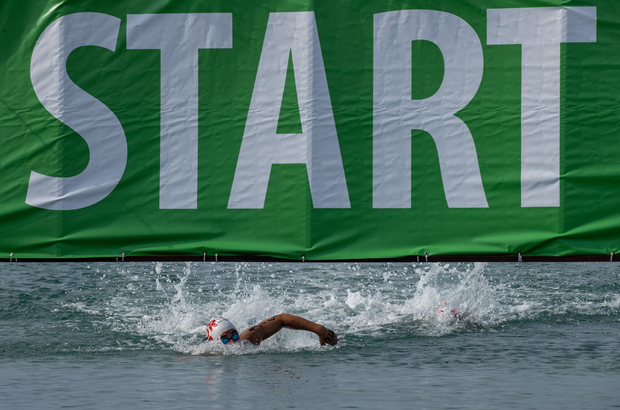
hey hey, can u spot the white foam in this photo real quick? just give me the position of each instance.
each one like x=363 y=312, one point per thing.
x=173 y=303
x=369 y=308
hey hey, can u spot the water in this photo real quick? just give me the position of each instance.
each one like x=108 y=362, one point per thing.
x=129 y=335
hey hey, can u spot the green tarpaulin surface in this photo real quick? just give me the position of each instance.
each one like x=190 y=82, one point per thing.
x=332 y=130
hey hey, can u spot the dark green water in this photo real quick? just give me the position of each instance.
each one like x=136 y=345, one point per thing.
x=100 y=336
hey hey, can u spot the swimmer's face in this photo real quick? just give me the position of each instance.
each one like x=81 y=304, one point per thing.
x=229 y=336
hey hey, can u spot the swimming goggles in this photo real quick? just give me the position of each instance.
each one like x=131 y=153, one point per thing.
x=227 y=339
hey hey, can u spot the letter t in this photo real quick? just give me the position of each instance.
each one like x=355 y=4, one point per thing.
x=179 y=36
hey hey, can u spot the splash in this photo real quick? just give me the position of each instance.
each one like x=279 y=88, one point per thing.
x=449 y=298
x=171 y=305
x=180 y=321
x=444 y=299
x=146 y=306
x=383 y=301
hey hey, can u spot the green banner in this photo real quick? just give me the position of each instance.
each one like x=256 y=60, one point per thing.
x=314 y=129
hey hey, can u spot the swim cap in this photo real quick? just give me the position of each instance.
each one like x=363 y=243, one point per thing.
x=447 y=316
x=216 y=327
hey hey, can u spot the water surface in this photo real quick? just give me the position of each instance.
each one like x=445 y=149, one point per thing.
x=109 y=335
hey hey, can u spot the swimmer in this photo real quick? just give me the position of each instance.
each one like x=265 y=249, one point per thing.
x=449 y=314
x=226 y=332
x=445 y=310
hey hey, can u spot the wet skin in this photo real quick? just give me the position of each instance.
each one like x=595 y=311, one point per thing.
x=268 y=327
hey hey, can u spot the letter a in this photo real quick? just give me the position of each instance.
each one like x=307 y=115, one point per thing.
x=317 y=146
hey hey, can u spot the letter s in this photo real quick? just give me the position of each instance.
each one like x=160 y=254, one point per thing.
x=80 y=111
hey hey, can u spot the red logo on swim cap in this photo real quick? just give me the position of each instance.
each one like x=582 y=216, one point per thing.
x=210 y=326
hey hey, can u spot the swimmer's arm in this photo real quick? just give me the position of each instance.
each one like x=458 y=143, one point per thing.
x=273 y=325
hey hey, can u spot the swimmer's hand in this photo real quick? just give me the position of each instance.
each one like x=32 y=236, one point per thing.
x=327 y=336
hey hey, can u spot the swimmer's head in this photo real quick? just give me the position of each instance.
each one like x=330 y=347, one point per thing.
x=216 y=327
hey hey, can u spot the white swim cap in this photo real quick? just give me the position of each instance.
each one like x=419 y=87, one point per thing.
x=447 y=314
x=218 y=326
